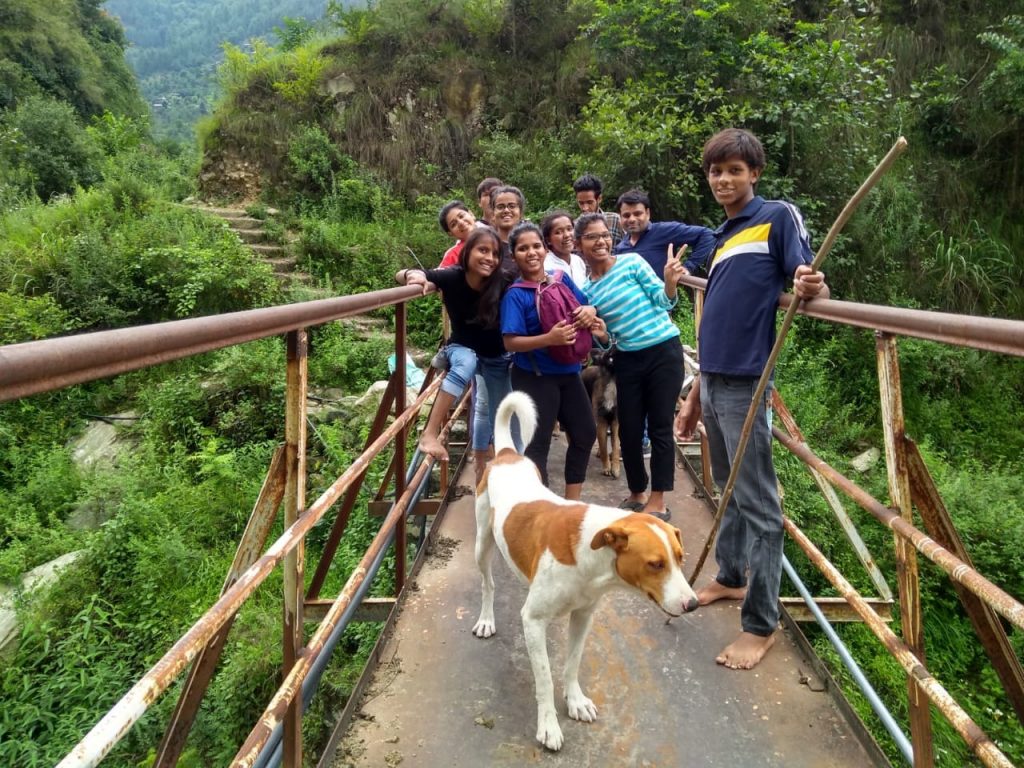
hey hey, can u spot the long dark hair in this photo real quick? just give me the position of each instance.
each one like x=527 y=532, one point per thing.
x=494 y=285
x=442 y=217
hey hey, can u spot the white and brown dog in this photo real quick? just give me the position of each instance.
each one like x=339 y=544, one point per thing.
x=570 y=553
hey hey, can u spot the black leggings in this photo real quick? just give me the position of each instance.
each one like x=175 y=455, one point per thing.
x=559 y=397
x=648 y=383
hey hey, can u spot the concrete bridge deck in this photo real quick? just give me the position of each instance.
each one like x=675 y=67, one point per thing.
x=441 y=698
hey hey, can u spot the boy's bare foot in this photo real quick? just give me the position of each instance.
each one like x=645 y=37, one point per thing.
x=746 y=651
x=431 y=446
x=718 y=591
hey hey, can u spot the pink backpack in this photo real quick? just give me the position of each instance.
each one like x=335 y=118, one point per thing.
x=556 y=302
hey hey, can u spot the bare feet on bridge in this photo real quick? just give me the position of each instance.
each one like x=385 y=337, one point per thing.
x=746 y=651
x=717 y=591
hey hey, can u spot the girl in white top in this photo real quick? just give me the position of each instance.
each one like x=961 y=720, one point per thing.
x=558 y=237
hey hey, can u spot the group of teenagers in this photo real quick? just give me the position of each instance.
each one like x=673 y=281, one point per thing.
x=624 y=272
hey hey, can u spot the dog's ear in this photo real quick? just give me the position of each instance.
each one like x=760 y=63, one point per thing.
x=613 y=536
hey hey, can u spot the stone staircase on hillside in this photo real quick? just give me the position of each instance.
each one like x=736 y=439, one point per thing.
x=251 y=231
x=282 y=259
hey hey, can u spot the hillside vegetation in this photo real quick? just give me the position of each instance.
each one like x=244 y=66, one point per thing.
x=358 y=129
x=70 y=50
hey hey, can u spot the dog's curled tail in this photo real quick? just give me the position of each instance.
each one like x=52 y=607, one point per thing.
x=520 y=404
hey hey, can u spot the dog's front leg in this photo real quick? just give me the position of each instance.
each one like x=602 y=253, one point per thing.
x=484 y=626
x=616 y=458
x=580 y=707
x=602 y=445
x=535 y=630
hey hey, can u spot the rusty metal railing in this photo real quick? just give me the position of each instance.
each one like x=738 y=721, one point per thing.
x=46 y=365
x=910 y=486
x=42 y=366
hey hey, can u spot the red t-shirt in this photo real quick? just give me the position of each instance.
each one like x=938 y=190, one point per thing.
x=451 y=256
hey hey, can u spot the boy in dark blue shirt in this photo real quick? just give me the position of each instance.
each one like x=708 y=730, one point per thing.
x=761 y=244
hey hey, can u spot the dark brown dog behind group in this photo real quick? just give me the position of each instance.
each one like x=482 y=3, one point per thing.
x=599 y=379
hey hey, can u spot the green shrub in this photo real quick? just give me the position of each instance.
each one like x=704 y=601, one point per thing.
x=111 y=257
x=189 y=281
x=44 y=138
x=541 y=166
x=24 y=318
x=15 y=84
x=32 y=515
x=342 y=357
x=237 y=397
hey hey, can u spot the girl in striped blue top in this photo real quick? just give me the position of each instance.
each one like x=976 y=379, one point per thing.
x=633 y=302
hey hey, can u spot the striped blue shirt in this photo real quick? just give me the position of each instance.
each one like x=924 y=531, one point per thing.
x=631 y=299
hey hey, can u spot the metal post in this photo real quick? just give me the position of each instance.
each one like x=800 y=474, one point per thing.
x=351 y=495
x=400 y=442
x=705 y=453
x=834 y=503
x=987 y=626
x=294 y=504
x=894 y=428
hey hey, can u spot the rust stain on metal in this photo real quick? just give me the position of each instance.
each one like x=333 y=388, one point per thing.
x=907 y=576
x=292 y=685
x=986 y=623
x=834 y=503
x=91 y=749
x=46 y=365
x=990 y=334
x=341 y=520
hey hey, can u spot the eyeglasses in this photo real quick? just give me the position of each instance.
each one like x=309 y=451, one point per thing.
x=595 y=236
x=507 y=207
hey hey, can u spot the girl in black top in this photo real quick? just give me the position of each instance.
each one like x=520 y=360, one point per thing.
x=471 y=293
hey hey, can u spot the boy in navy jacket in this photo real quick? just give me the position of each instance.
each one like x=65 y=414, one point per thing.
x=760 y=246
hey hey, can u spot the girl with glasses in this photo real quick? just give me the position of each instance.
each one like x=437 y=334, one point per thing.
x=633 y=302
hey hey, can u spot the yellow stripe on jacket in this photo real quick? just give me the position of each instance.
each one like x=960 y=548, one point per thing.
x=750 y=240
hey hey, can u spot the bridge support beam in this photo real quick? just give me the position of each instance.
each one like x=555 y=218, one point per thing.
x=894 y=431
x=294 y=505
x=250 y=547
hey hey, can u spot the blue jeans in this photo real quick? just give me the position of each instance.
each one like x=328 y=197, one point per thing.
x=463 y=365
x=751 y=533
x=483 y=435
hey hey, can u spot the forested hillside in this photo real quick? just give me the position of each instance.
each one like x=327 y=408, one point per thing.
x=176 y=47
x=358 y=128
x=69 y=50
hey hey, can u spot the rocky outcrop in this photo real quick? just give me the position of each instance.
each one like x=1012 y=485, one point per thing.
x=39 y=578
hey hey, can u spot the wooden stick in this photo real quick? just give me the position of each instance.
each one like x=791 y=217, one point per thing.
x=762 y=384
